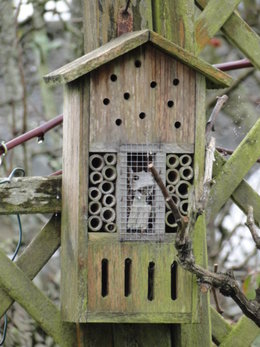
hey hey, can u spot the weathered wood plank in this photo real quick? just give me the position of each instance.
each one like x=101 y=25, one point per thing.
x=101 y=18
x=244 y=195
x=35 y=256
x=74 y=202
x=31 y=195
x=127 y=335
x=21 y=289
x=220 y=327
x=241 y=35
x=98 y=57
x=233 y=172
x=212 y=74
x=242 y=335
x=160 y=120
x=180 y=28
x=126 y=43
x=208 y=23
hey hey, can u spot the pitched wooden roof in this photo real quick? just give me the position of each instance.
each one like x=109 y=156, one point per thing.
x=126 y=43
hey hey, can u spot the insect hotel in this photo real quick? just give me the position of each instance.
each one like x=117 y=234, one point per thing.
x=136 y=100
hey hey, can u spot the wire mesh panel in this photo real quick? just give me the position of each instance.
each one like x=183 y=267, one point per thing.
x=141 y=206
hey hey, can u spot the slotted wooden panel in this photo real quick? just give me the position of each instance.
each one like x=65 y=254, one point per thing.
x=136 y=307
x=159 y=124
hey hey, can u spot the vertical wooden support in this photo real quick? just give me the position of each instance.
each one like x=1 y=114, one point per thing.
x=74 y=181
x=101 y=17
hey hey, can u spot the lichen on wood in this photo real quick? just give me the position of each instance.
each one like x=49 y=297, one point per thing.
x=31 y=195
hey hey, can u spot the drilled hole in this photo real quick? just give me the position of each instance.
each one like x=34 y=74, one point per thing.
x=151 y=269
x=106 y=101
x=138 y=63
x=126 y=96
x=177 y=125
x=128 y=276
x=153 y=84
x=104 y=279
x=176 y=81
x=118 y=122
x=174 y=280
x=142 y=115
x=113 y=77
x=170 y=103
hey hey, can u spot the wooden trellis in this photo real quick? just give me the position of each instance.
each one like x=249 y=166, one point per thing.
x=15 y=278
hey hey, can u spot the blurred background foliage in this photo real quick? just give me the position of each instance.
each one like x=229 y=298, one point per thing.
x=37 y=36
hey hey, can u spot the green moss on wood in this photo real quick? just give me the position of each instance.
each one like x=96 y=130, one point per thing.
x=208 y=23
x=233 y=172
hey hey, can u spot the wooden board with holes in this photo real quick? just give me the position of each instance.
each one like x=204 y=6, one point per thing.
x=139 y=98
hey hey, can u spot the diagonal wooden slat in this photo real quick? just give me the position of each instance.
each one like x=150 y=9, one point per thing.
x=22 y=290
x=242 y=335
x=35 y=256
x=244 y=195
x=220 y=327
x=239 y=33
x=233 y=172
x=211 y=20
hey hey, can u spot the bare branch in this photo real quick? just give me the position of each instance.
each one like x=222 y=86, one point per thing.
x=215 y=295
x=175 y=211
x=212 y=119
x=252 y=227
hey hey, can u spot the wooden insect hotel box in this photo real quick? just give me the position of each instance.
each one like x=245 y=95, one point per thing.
x=137 y=99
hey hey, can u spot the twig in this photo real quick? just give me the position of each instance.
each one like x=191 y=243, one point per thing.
x=214 y=292
x=250 y=223
x=175 y=211
x=225 y=282
x=212 y=119
x=127 y=6
x=227 y=151
x=237 y=82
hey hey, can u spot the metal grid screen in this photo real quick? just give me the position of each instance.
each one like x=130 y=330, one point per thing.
x=141 y=206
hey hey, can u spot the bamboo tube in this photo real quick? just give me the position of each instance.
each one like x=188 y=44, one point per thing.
x=94 y=193
x=95 y=223
x=186 y=173
x=172 y=176
x=109 y=173
x=170 y=188
x=170 y=220
x=95 y=177
x=109 y=200
x=182 y=189
x=110 y=227
x=106 y=187
x=94 y=207
x=172 y=161
x=110 y=158
x=108 y=214
x=185 y=160
x=96 y=162
x=184 y=207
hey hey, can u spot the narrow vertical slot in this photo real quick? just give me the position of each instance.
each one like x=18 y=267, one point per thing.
x=104 y=277
x=174 y=275
x=128 y=276
x=151 y=269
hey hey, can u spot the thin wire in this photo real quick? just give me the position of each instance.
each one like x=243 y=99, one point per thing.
x=127 y=6
x=17 y=172
x=4 y=330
